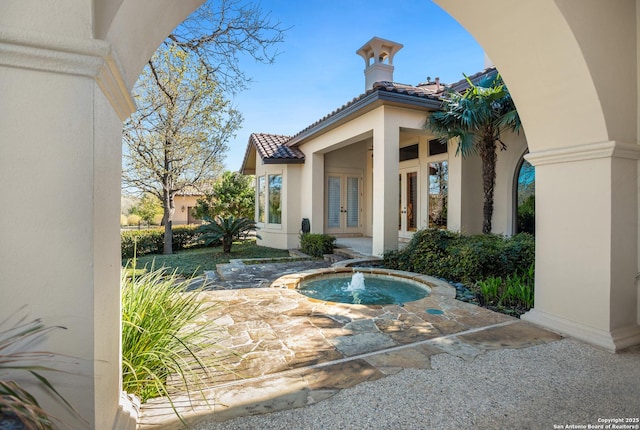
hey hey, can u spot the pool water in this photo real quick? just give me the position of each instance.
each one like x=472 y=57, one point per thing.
x=376 y=290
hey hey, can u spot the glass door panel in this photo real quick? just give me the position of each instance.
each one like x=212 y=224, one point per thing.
x=343 y=204
x=412 y=201
x=353 y=202
x=438 y=194
x=333 y=202
x=409 y=202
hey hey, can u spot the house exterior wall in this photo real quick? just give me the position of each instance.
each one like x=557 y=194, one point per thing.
x=349 y=148
x=286 y=234
x=465 y=194
x=381 y=127
x=182 y=205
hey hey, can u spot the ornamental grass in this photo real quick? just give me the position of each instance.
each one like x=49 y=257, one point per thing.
x=168 y=343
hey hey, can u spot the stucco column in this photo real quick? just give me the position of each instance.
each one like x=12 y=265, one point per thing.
x=465 y=198
x=315 y=199
x=386 y=144
x=61 y=110
x=586 y=242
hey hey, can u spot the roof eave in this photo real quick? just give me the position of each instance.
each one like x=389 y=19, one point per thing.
x=362 y=106
x=283 y=161
x=244 y=168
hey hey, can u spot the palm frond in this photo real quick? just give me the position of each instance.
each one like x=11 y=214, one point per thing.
x=226 y=230
x=16 y=355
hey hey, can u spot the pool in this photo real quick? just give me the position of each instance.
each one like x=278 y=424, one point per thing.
x=356 y=288
x=337 y=285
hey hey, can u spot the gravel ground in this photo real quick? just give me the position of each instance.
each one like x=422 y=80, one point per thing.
x=565 y=383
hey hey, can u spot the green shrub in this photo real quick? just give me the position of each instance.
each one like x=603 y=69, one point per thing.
x=123 y=220
x=151 y=241
x=144 y=241
x=468 y=259
x=526 y=215
x=316 y=245
x=185 y=236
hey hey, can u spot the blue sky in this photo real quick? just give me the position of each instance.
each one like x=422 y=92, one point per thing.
x=318 y=69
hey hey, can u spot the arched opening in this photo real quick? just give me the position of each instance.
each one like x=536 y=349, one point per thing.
x=524 y=200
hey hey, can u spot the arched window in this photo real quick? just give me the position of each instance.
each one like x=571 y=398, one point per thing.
x=525 y=200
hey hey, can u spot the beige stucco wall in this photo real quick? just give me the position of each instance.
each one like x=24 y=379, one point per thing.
x=465 y=194
x=284 y=235
x=185 y=202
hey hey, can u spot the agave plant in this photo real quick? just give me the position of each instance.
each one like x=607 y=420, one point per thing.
x=226 y=230
x=15 y=357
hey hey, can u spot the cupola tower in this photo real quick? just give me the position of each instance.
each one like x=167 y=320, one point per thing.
x=378 y=57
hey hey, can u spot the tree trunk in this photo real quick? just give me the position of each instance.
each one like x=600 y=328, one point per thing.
x=488 y=156
x=226 y=245
x=168 y=206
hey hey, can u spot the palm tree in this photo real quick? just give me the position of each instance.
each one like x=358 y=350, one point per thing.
x=475 y=119
x=226 y=230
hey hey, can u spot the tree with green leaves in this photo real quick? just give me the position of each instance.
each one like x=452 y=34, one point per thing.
x=475 y=120
x=178 y=136
x=232 y=195
x=148 y=207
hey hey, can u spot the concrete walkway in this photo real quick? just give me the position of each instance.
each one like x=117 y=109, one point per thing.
x=437 y=363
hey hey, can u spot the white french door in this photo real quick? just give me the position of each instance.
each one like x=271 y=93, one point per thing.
x=343 y=204
x=408 y=204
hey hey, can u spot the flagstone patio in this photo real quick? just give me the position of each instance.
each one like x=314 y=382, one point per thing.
x=292 y=351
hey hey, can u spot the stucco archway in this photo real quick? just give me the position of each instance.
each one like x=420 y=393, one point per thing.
x=559 y=58
x=66 y=69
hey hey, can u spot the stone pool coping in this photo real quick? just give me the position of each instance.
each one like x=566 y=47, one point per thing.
x=435 y=285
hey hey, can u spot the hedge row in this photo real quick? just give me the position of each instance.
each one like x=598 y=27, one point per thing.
x=461 y=258
x=151 y=241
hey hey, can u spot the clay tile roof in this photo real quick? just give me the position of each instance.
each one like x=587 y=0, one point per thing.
x=394 y=87
x=273 y=148
x=462 y=84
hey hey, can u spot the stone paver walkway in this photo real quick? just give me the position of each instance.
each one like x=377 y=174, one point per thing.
x=294 y=351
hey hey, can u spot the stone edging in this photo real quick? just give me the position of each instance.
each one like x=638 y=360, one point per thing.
x=438 y=287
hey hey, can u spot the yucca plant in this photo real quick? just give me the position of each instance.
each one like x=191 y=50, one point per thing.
x=17 y=358
x=226 y=230
x=165 y=335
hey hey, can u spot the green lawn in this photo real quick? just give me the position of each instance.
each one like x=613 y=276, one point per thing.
x=195 y=261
